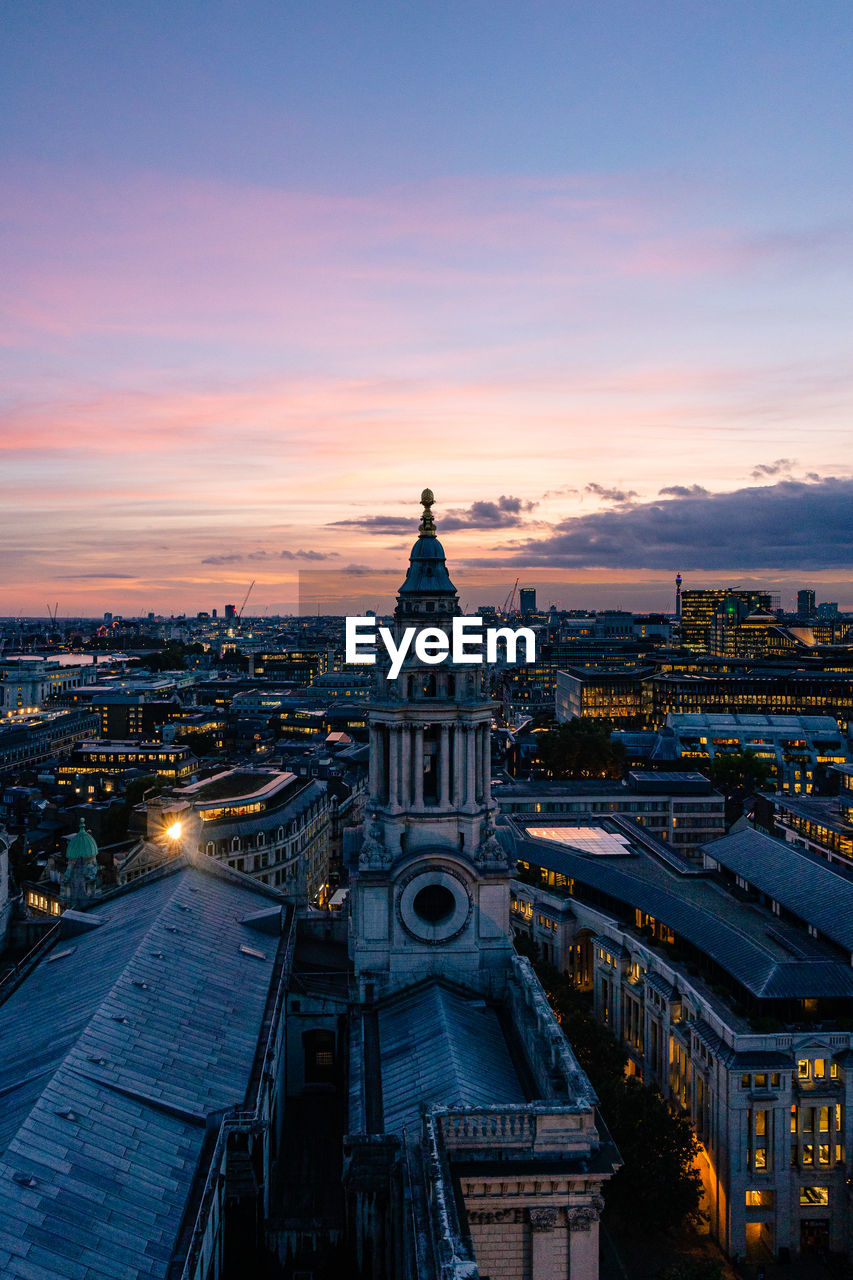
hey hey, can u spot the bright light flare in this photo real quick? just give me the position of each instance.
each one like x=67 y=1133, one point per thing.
x=174 y=832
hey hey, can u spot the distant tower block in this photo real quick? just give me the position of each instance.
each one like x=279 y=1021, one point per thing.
x=678 y=596
x=527 y=600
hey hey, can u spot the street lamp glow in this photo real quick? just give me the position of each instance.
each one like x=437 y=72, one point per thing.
x=174 y=832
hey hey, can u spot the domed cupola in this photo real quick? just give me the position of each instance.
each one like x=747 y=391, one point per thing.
x=82 y=872
x=82 y=845
x=427 y=589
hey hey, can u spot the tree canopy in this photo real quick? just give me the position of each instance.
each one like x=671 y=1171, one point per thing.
x=658 y=1188
x=581 y=748
x=739 y=773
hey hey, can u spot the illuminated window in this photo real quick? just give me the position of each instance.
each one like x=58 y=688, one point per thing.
x=819 y=1068
x=804 y=1069
x=814 y=1195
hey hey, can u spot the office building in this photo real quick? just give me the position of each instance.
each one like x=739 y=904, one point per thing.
x=267 y=823
x=28 y=740
x=822 y=824
x=731 y=991
x=752 y=691
x=699 y=606
x=805 y=603
x=794 y=748
x=28 y=684
x=527 y=600
x=100 y=758
x=681 y=808
x=615 y=694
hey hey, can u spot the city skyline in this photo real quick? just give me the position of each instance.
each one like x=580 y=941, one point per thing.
x=270 y=272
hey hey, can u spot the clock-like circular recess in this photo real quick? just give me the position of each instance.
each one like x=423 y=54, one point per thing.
x=434 y=904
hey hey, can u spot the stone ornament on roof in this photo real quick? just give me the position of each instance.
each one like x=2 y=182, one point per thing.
x=490 y=852
x=427 y=525
x=373 y=855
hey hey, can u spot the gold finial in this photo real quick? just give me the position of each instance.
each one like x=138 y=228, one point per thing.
x=427 y=525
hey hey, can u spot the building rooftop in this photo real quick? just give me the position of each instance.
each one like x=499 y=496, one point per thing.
x=807 y=885
x=824 y=811
x=237 y=785
x=119 y=1052
x=647 y=783
x=768 y=957
x=439 y=1045
x=110 y=746
x=774 y=724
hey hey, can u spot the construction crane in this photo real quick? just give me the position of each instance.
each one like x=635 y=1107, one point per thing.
x=243 y=605
x=507 y=606
x=53 y=612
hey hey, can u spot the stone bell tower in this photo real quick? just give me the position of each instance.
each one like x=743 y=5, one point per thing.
x=431 y=895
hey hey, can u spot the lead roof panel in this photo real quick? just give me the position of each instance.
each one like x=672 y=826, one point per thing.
x=114 y=1060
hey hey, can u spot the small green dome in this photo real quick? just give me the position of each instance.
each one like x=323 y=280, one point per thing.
x=82 y=845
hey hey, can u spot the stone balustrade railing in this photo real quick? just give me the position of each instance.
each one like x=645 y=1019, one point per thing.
x=529 y=1129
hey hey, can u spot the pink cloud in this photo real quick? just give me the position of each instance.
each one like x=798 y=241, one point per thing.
x=199 y=261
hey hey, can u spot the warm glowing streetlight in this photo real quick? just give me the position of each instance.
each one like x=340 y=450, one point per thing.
x=174 y=832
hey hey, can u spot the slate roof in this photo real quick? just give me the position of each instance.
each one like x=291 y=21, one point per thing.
x=119 y=1052
x=437 y=1045
x=807 y=885
x=771 y=959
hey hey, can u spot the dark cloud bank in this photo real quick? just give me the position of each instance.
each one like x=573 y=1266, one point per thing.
x=788 y=525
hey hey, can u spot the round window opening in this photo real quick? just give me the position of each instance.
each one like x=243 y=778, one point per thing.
x=434 y=903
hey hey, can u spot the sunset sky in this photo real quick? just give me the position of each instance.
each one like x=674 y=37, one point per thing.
x=269 y=267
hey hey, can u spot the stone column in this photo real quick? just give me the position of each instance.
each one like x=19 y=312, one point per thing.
x=419 y=767
x=487 y=763
x=444 y=768
x=458 y=767
x=478 y=760
x=548 y=1246
x=471 y=765
x=406 y=768
x=583 y=1238
x=375 y=757
x=393 y=766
